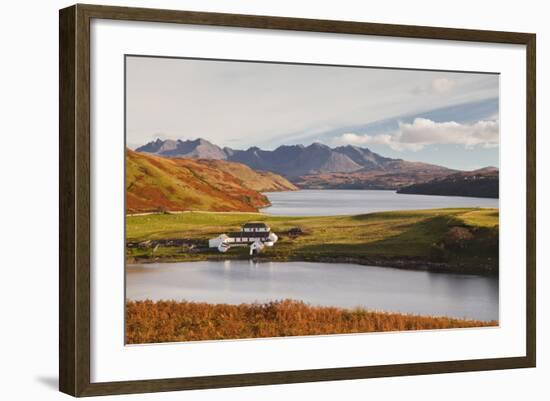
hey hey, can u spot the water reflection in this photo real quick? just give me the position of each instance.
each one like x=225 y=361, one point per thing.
x=343 y=285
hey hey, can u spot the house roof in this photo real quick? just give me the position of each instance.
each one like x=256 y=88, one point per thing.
x=241 y=234
x=254 y=225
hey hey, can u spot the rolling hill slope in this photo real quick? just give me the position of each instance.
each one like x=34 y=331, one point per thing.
x=168 y=184
x=482 y=183
x=261 y=181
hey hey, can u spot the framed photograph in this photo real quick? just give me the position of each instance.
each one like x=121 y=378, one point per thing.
x=249 y=200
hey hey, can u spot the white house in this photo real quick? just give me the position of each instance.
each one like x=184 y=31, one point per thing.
x=255 y=227
x=255 y=235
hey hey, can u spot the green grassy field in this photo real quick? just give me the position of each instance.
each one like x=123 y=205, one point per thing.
x=462 y=240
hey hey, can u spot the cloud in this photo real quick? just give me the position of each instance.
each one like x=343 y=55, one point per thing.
x=437 y=86
x=442 y=85
x=423 y=132
x=242 y=104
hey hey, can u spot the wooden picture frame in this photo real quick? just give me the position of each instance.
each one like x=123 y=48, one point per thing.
x=74 y=203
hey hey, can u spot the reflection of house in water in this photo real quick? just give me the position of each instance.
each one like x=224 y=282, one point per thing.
x=255 y=235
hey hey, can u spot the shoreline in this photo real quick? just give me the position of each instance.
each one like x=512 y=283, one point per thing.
x=168 y=212
x=398 y=263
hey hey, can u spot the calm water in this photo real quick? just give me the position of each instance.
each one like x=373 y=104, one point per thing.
x=334 y=284
x=350 y=201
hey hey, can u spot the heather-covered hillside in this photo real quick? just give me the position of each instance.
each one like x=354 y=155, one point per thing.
x=169 y=184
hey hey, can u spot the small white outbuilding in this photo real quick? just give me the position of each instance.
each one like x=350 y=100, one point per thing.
x=255 y=247
x=219 y=240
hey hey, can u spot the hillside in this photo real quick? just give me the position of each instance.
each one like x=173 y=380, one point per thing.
x=295 y=161
x=261 y=181
x=399 y=173
x=157 y=184
x=482 y=183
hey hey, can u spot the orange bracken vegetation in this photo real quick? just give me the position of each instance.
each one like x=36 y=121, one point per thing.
x=156 y=183
x=170 y=321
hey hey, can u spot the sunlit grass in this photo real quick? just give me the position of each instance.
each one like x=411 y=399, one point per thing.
x=481 y=218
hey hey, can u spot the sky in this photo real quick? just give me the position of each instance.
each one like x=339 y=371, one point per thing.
x=445 y=118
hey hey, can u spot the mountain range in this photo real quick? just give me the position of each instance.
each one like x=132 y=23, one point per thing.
x=298 y=161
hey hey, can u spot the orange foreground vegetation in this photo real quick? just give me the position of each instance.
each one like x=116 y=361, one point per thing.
x=170 y=321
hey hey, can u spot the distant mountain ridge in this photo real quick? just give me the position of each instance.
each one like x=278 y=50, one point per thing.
x=481 y=183
x=198 y=149
x=293 y=161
